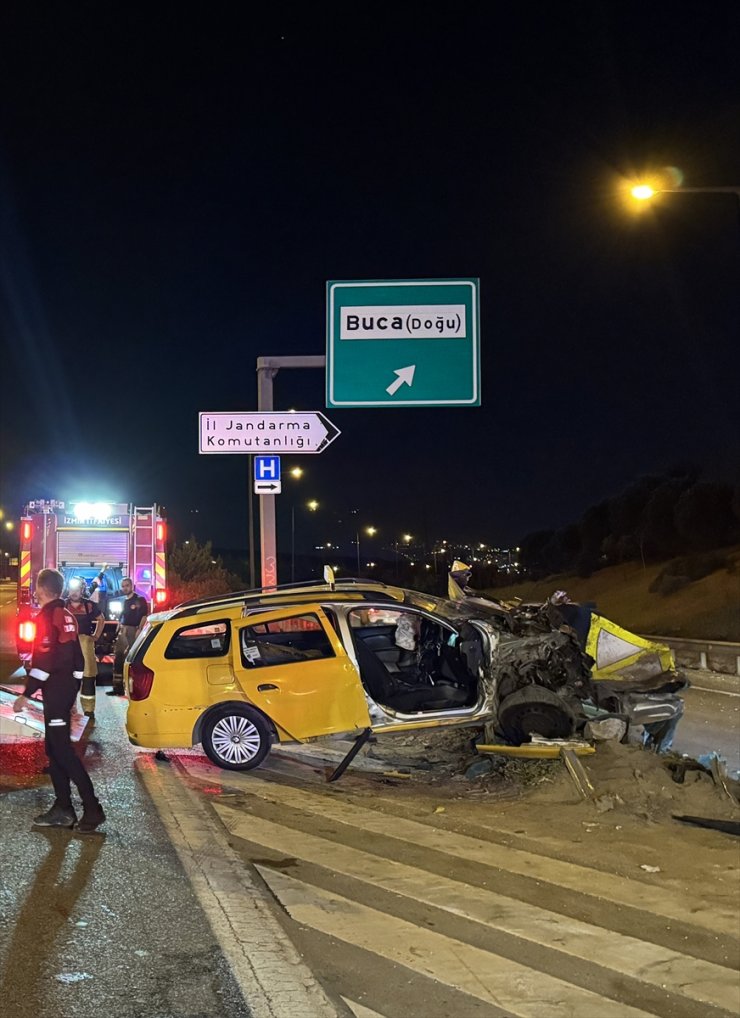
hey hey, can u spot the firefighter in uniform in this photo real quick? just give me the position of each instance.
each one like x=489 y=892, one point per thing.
x=90 y=623
x=133 y=617
x=56 y=667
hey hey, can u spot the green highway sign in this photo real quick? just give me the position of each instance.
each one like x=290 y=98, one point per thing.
x=402 y=342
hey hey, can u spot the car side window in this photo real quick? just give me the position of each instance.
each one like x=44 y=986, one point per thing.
x=284 y=641
x=211 y=640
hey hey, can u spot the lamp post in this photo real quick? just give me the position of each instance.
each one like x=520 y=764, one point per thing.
x=407 y=539
x=371 y=532
x=312 y=506
x=296 y=472
x=644 y=192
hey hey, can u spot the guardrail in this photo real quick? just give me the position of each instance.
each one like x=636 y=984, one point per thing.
x=711 y=655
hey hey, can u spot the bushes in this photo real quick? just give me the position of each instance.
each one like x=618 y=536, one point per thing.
x=195 y=573
x=682 y=571
x=654 y=518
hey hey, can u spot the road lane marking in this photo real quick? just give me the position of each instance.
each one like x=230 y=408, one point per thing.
x=664 y=901
x=360 y=1011
x=722 y=692
x=515 y=988
x=638 y=959
x=269 y=971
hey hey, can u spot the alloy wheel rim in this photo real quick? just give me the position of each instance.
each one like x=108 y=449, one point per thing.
x=235 y=739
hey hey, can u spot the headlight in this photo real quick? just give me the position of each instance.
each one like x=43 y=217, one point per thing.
x=115 y=607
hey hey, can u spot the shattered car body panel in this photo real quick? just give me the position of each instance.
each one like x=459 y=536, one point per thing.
x=622 y=656
x=594 y=664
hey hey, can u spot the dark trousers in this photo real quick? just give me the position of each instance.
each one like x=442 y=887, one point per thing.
x=65 y=766
x=124 y=640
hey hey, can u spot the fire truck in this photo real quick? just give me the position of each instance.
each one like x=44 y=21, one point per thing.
x=90 y=542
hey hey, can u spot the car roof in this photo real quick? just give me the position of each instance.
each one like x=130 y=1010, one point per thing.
x=290 y=594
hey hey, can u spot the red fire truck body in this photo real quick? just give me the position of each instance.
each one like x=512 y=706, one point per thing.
x=83 y=540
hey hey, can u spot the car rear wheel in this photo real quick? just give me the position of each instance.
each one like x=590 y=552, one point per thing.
x=236 y=738
x=535 y=710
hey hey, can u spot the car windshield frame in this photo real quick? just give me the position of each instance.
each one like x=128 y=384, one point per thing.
x=450 y=611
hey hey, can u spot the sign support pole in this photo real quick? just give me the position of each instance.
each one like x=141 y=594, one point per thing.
x=267 y=368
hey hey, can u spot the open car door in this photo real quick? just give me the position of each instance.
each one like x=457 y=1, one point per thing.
x=291 y=665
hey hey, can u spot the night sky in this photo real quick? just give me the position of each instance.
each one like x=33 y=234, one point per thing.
x=177 y=187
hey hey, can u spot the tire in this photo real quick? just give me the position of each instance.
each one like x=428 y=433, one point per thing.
x=236 y=738
x=535 y=709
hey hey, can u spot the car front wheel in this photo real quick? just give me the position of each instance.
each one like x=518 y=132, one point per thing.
x=236 y=738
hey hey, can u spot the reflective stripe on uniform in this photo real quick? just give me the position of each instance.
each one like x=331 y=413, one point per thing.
x=37 y=673
x=77 y=675
x=57 y=723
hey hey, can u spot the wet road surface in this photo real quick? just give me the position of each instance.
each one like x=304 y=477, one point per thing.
x=106 y=924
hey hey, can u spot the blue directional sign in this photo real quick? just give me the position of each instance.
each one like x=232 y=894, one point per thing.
x=267 y=475
x=403 y=343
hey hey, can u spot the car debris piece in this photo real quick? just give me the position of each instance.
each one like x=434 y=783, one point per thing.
x=537 y=749
x=479 y=768
x=605 y=803
x=719 y=773
x=604 y=729
x=344 y=764
x=726 y=826
x=576 y=770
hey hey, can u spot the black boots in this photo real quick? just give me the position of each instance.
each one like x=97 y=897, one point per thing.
x=57 y=816
x=91 y=819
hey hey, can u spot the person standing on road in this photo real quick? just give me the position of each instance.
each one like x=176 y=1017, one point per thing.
x=90 y=622
x=133 y=617
x=56 y=667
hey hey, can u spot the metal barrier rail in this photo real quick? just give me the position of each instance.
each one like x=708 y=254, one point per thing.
x=711 y=655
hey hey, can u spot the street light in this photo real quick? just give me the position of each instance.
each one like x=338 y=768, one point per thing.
x=371 y=532
x=643 y=191
x=407 y=539
x=312 y=506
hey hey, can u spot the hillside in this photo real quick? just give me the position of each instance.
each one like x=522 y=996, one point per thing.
x=705 y=609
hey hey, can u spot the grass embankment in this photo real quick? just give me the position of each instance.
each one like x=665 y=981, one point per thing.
x=706 y=609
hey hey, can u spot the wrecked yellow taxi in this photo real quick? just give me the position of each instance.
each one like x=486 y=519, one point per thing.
x=242 y=672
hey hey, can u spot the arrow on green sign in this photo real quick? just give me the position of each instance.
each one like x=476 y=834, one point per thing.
x=405 y=376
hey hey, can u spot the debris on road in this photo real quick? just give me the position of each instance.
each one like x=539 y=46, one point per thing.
x=726 y=826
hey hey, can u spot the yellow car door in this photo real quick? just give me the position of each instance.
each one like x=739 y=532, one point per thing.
x=291 y=664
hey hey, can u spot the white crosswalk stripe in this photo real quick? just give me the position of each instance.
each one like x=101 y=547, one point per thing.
x=373 y=882
x=700 y=980
x=714 y=916
x=360 y=1010
x=499 y=981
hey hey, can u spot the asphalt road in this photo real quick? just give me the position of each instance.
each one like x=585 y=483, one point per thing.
x=711 y=723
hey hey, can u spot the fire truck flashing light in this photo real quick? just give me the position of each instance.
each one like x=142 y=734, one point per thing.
x=27 y=632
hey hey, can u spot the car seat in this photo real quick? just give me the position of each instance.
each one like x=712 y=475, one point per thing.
x=381 y=686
